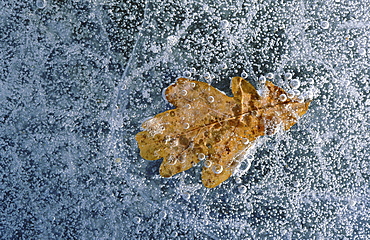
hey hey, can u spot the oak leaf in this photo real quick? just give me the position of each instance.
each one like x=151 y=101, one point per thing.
x=209 y=126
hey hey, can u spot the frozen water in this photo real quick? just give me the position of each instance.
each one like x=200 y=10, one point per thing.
x=78 y=78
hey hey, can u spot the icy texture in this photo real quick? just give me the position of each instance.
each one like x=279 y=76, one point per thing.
x=78 y=78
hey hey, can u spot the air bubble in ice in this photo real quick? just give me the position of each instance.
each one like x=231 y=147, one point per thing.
x=310 y=80
x=217 y=168
x=41 y=4
x=188 y=106
x=244 y=75
x=242 y=189
x=362 y=51
x=186 y=125
x=351 y=43
x=172 y=40
x=137 y=220
x=223 y=66
x=352 y=204
x=186 y=196
x=290 y=94
x=262 y=79
x=207 y=75
x=270 y=75
x=308 y=94
x=238 y=180
x=162 y=214
x=295 y=83
x=207 y=163
x=187 y=74
x=296 y=92
x=324 y=24
x=300 y=99
x=225 y=23
x=288 y=76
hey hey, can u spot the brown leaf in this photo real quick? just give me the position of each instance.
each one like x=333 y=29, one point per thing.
x=208 y=125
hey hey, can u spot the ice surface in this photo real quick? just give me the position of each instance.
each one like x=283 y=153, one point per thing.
x=79 y=76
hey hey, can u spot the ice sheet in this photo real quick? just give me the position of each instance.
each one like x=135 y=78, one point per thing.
x=79 y=77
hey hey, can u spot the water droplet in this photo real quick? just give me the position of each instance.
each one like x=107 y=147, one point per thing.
x=188 y=106
x=351 y=43
x=283 y=97
x=295 y=83
x=270 y=75
x=217 y=168
x=207 y=163
x=193 y=84
x=211 y=99
x=186 y=125
x=244 y=75
x=296 y=92
x=201 y=156
x=184 y=92
x=288 y=76
x=324 y=24
x=242 y=189
x=238 y=180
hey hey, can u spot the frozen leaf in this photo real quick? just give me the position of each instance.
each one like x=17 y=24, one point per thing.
x=211 y=126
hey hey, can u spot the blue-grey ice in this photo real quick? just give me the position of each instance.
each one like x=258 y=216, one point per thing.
x=78 y=77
